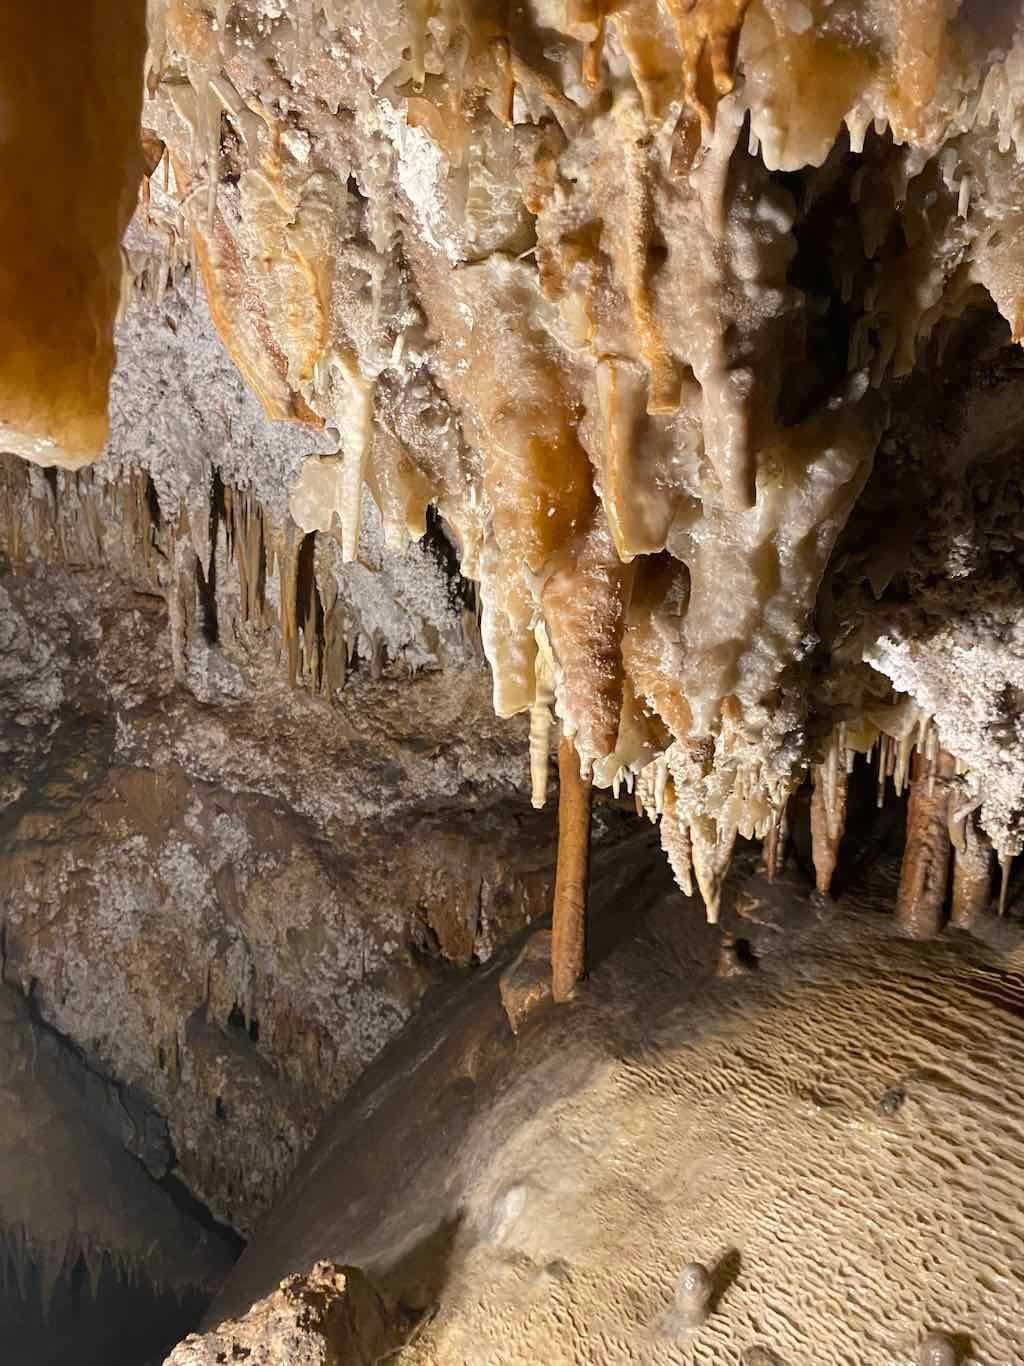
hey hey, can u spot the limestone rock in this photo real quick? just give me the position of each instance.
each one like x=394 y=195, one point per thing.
x=526 y=983
x=330 y=1317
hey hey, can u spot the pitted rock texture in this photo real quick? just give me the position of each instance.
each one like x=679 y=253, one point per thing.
x=226 y=889
x=330 y=1317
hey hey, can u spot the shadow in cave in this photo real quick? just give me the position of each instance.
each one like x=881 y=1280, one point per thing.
x=103 y=1321
x=414 y=1284
x=900 y=559
x=105 y=1258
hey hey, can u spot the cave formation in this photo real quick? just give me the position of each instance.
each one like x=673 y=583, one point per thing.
x=452 y=448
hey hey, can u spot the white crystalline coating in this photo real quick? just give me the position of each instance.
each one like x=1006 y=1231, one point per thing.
x=772 y=558
x=537 y=270
x=316 y=497
x=968 y=679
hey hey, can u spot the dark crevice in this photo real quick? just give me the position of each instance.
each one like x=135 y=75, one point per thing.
x=91 y=1315
x=237 y=1021
x=153 y=504
x=138 y=1109
x=823 y=232
x=206 y=581
x=191 y=1208
x=206 y=590
x=309 y=609
x=438 y=542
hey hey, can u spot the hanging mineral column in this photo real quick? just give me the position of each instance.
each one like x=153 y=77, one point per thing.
x=828 y=813
x=569 y=921
x=773 y=851
x=924 y=874
x=70 y=166
x=972 y=871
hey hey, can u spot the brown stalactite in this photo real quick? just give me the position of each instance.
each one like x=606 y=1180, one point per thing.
x=972 y=875
x=828 y=816
x=569 y=921
x=675 y=840
x=70 y=165
x=924 y=874
x=773 y=850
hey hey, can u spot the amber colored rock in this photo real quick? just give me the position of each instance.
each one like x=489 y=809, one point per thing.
x=526 y=983
x=70 y=165
x=330 y=1317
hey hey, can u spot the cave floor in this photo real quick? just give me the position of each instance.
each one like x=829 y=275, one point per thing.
x=826 y=1114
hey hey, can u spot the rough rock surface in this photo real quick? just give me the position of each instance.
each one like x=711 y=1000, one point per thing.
x=330 y=1317
x=223 y=888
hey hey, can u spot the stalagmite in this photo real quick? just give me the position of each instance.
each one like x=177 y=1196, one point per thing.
x=1005 y=864
x=693 y=1295
x=828 y=813
x=938 y=1349
x=972 y=873
x=569 y=918
x=924 y=873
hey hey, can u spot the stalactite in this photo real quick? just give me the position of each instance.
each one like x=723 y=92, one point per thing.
x=773 y=854
x=288 y=571
x=675 y=840
x=712 y=855
x=248 y=551
x=558 y=303
x=355 y=422
x=880 y=769
x=541 y=719
x=70 y=165
x=972 y=873
x=924 y=873
x=569 y=919
x=828 y=812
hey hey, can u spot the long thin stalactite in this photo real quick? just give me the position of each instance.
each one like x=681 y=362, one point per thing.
x=569 y=920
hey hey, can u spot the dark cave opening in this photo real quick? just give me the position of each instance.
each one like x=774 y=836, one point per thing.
x=98 y=1316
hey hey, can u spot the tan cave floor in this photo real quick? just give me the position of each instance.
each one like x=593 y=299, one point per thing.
x=830 y=1117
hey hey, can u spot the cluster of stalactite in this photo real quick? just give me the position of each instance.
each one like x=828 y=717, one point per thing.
x=548 y=288
x=948 y=855
x=283 y=577
x=536 y=265
x=948 y=859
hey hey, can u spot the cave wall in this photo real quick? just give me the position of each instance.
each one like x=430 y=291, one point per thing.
x=231 y=865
